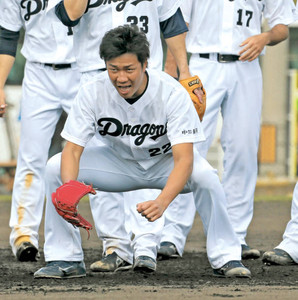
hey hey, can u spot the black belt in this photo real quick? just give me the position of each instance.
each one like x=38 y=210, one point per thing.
x=222 y=58
x=58 y=66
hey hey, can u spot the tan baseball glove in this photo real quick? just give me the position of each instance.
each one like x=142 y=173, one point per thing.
x=190 y=84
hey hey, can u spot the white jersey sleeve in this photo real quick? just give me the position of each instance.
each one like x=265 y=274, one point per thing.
x=183 y=120
x=187 y=9
x=279 y=12
x=80 y=126
x=217 y=26
x=52 y=4
x=46 y=40
x=10 y=15
x=167 y=9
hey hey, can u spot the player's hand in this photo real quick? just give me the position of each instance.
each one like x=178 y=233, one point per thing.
x=199 y=93
x=253 y=46
x=151 y=210
x=2 y=103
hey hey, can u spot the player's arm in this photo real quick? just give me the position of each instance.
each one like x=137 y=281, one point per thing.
x=170 y=65
x=70 y=14
x=75 y=8
x=70 y=161
x=170 y=62
x=177 y=57
x=174 y=33
x=173 y=30
x=183 y=164
x=8 y=48
x=254 y=45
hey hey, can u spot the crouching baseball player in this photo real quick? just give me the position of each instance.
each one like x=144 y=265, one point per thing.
x=150 y=129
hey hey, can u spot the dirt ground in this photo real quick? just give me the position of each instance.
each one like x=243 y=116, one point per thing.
x=189 y=277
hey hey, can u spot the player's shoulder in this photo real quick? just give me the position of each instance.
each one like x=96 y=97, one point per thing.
x=166 y=8
x=164 y=78
x=96 y=82
x=161 y=81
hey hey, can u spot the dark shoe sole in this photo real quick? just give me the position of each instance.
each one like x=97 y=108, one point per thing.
x=143 y=270
x=120 y=269
x=58 y=277
x=29 y=253
x=231 y=276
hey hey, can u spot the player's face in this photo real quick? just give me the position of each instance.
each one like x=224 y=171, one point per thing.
x=127 y=75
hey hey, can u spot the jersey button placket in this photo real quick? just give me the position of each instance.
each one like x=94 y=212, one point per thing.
x=132 y=121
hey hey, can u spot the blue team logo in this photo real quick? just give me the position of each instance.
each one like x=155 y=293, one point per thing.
x=120 y=6
x=33 y=7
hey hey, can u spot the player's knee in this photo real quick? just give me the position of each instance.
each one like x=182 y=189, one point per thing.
x=53 y=167
x=205 y=178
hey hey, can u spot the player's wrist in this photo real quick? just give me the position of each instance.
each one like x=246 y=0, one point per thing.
x=184 y=74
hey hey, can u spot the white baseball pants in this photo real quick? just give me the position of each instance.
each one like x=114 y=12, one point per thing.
x=235 y=90
x=108 y=172
x=45 y=94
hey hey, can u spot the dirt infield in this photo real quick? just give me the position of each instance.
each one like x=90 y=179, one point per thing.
x=189 y=277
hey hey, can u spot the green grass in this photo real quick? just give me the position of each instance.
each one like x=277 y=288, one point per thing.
x=5 y=197
x=273 y=198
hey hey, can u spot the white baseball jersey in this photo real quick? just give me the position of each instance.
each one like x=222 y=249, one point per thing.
x=225 y=37
x=143 y=131
x=102 y=16
x=45 y=41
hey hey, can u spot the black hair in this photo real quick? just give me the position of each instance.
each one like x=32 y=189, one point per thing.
x=124 y=39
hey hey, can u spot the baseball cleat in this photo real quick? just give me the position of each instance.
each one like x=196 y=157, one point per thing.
x=110 y=263
x=233 y=268
x=167 y=250
x=62 y=270
x=249 y=253
x=277 y=257
x=26 y=251
x=144 y=264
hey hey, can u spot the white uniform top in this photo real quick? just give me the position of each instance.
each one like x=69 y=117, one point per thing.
x=236 y=21
x=47 y=40
x=102 y=16
x=141 y=132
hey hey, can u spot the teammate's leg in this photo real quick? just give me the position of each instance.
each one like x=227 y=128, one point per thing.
x=145 y=237
x=39 y=114
x=240 y=138
x=109 y=219
x=213 y=81
x=179 y=218
x=286 y=253
x=223 y=246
